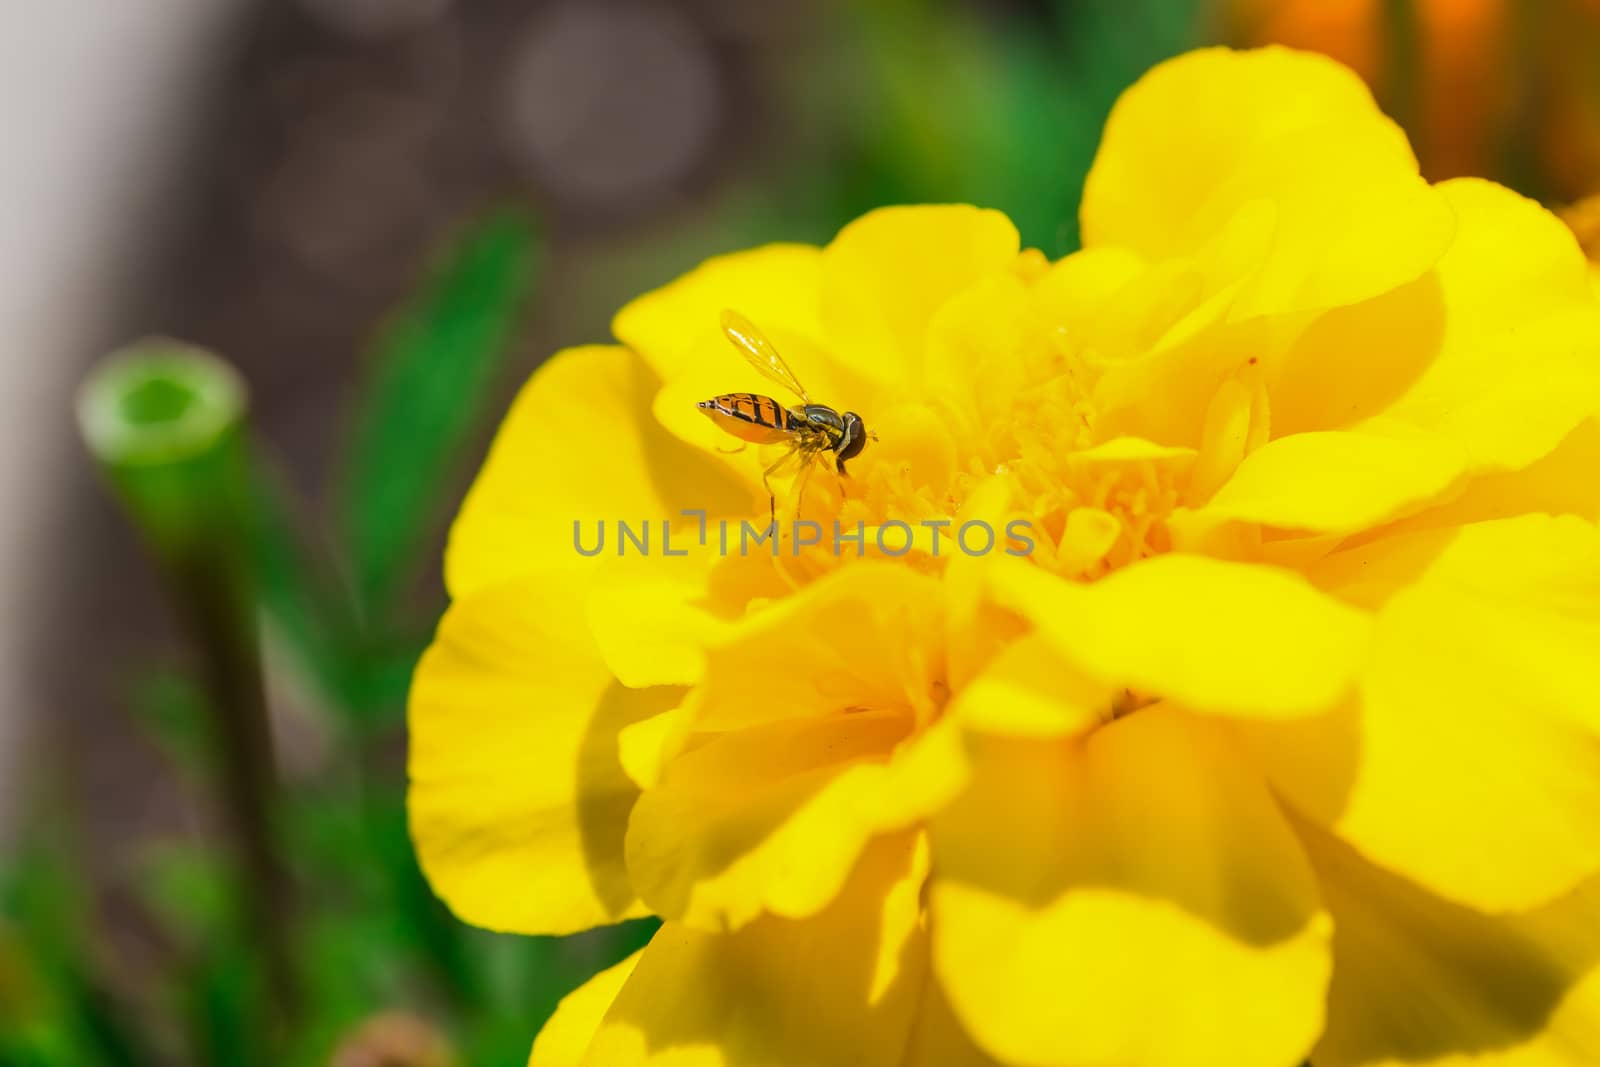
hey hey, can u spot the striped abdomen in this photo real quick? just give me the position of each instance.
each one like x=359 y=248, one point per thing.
x=751 y=417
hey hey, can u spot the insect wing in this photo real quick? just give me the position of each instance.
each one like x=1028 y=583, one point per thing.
x=760 y=353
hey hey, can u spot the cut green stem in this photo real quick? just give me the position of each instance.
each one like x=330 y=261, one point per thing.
x=165 y=423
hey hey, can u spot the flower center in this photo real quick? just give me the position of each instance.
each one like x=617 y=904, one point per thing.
x=1087 y=508
x=1093 y=508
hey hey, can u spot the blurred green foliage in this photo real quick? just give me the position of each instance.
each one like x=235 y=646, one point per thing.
x=947 y=106
x=427 y=391
x=923 y=102
x=364 y=933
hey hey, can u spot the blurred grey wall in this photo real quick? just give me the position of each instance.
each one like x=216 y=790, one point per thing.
x=97 y=102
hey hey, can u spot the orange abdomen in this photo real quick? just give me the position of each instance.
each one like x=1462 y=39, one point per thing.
x=751 y=417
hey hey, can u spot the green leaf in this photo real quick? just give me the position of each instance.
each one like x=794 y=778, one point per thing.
x=306 y=602
x=361 y=672
x=56 y=1009
x=427 y=392
x=223 y=995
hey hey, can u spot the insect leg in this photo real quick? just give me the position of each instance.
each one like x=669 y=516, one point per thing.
x=766 y=475
x=800 y=491
x=839 y=475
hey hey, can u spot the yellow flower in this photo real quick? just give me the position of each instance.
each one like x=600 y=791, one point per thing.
x=1284 y=740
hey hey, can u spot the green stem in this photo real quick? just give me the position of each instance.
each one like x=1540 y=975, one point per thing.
x=1531 y=51
x=1403 y=58
x=165 y=423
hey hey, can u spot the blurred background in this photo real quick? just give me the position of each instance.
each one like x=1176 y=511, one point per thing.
x=384 y=214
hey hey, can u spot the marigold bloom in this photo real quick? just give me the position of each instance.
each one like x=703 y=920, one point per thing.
x=1284 y=741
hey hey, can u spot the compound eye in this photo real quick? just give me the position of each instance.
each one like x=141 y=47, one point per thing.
x=855 y=437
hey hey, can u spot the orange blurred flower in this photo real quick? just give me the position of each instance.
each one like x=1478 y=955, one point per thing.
x=1485 y=87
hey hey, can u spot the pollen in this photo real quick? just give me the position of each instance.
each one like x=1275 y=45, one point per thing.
x=1091 y=505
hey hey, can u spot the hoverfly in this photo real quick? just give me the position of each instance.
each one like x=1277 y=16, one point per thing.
x=811 y=430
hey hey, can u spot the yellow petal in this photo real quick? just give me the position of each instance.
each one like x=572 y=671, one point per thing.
x=1237 y=422
x=973 y=363
x=1229 y=638
x=1031 y=690
x=762 y=819
x=1340 y=482
x=1134 y=450
x=976 y=629
x=917 y=439
x=579 y=448
x=1492 y=352
x=1209 y=109
x=1423 y=982
x=1087 y=539
x=1203 y=136
x=889 y=272
x=1132 y=898
x=868 y=635
x=565 y=1039
x=650 y=617
x=1348 y=364
x=653 y=615
x=1560 y=483
x=1517 y=366
x=1168 y=392
x=1164 y=343
x=837 y=988
x=771 y=819
x=1072 y=295
x=644 y=747
x=937 y=1037
x=1098 y=301
x=1471 y=761
x=678 y=327
x=518 y=802
x=1176 y=301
